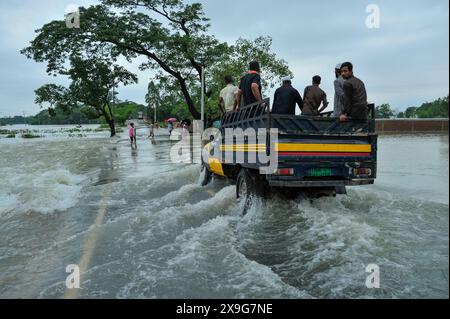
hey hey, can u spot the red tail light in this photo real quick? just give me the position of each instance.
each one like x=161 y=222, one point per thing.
x=362 y=171
x=285 y=172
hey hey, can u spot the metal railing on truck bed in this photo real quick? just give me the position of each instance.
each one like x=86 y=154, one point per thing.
x=258 y=116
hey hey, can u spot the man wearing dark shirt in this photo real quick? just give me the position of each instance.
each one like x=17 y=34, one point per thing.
x=286 y=97
x=250 y=87
x=355 y=105
x=314 y=97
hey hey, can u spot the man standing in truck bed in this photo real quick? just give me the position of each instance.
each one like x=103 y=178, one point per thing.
x=286 y=98
x=227 y=97
x=355 y=105
x=250 y=87
x=312 y=99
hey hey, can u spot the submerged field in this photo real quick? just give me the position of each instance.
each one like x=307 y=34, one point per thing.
x=144 y=228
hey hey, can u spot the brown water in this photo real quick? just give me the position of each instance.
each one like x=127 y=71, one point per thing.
x=146 y=229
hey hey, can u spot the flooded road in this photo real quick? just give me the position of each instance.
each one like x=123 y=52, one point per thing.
x=139 y=226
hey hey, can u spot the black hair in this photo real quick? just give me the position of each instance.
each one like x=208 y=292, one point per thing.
x=348 y=65
x=338 y=73
x=228 y=79
x=254 y=66
x=317 y=79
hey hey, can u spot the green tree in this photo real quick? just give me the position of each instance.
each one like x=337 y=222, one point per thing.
x=435 y=109
x=411 y=112
x=245 y=51
x=153 y=99
x=234 y=63
x=126 y=111
x=170 y=34
x=52 y=94
x=384 y=111
x=92 y=82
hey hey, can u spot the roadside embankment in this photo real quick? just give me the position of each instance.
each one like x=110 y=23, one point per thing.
x=412 y=126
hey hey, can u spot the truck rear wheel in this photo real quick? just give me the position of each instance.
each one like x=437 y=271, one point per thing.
x=248 y=186
x=244 y=189
x=206 y=176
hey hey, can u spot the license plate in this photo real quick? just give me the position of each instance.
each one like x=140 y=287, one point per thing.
x=320 y=172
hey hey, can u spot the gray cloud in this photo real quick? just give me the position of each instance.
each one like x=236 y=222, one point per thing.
x=404 y=63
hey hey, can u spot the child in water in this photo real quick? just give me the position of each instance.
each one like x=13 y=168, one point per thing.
x=132 y=134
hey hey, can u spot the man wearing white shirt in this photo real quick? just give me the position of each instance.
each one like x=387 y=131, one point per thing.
x=227 y=98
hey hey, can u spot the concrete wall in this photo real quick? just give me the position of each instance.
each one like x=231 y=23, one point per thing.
x=412 y=126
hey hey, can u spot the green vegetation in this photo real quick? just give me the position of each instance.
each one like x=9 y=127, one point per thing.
x=8 y=133
x=93 y=79
x=59 y=116
x=384 y=112
x=436 y=109
x=16 y=120
x=125 y=111
x=30 y=135
x=169 y=106
x=171 y=35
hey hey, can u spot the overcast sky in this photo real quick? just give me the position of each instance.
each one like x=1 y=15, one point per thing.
x=405 y=62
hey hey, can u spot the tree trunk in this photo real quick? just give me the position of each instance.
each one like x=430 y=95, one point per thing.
x=110 y=121
x=112 y=127
x=182 y=81
x=195 y=114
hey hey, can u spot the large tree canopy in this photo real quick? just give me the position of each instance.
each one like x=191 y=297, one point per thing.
x=235 y=64
x=170 y=34
x=91 y=86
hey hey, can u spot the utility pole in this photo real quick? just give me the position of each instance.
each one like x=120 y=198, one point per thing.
x=203 y=95
x=113 y=96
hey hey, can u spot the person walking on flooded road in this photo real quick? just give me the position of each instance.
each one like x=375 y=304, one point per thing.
x=132 y=133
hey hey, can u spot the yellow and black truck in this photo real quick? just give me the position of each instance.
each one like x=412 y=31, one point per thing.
x=264 y=152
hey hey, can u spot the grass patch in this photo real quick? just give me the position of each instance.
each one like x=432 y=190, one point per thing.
x=8 y=132
x=30 y=135
x=77 y=135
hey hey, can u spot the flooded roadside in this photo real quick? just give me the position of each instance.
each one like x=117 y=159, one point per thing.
x=144 y=228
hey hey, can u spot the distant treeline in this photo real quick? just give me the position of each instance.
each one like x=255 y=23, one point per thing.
x=78 y=115
x=435 y=109
x=130 y=110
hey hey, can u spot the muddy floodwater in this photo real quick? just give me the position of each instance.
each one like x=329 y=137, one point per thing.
x=142 y=227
